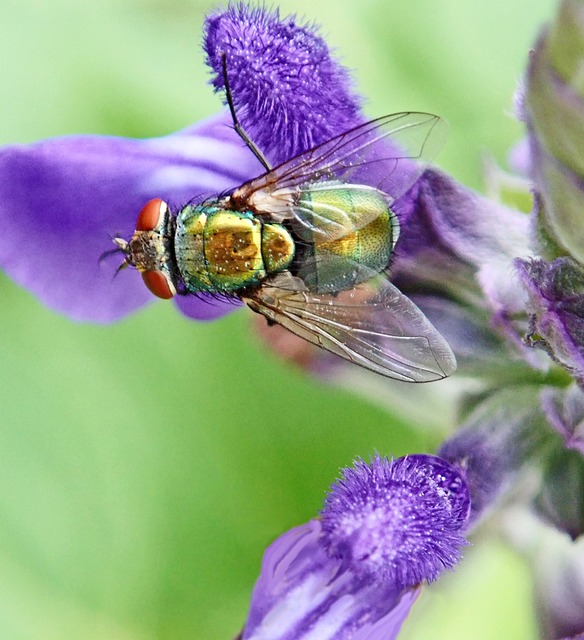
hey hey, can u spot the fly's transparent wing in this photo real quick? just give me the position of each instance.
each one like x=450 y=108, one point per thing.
x=373 y=325
x=382 y=158
x=388 y=154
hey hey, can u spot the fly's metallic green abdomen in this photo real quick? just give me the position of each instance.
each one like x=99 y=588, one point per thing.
x=224 y=251
x=363 y=230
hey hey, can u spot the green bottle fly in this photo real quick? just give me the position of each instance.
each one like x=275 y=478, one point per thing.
x=307 y=244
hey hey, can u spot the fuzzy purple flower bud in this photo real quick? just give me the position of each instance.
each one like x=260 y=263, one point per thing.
x=399 y=521
x=354 y=574
x=289 y=92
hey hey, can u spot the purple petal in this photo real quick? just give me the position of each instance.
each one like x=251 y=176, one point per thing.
x=452 y=232
x=301 y=593
x=63 y=199
x=280 y=565
x=388 y=627
x=205 y=308
x=472 y=227
x=289 y=92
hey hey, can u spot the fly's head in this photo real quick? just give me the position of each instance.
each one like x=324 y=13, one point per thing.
x=150 y=249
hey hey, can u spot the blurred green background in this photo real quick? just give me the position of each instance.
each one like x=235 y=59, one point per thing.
x=145 y=466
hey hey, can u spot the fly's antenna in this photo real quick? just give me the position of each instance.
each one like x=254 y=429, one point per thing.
x=236 y=124
x=121 y=247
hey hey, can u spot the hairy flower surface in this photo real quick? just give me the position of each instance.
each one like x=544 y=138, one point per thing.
x=289 y=92
x=397 y=522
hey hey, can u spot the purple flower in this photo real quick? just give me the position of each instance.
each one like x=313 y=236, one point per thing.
x=290 y=94
x=556 y=309
x=64 y=199
x=386 y=527
x=455 y=258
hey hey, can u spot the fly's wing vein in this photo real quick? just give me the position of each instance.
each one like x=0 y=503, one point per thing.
x=376 y=327
x=388 y=152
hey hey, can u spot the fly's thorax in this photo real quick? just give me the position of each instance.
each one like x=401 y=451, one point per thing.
x=363 y=231
x=220 y=250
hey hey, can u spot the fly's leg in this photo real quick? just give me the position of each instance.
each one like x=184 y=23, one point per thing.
x=236 y=124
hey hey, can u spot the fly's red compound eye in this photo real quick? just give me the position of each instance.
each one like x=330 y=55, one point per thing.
x=159 y=284
x=152 y=215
